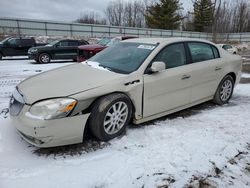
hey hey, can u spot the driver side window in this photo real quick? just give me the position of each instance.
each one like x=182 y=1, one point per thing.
x=14 y=41
x=172 y=55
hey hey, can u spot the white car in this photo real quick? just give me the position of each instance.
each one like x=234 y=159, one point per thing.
x=231 y=49
x=135 y=80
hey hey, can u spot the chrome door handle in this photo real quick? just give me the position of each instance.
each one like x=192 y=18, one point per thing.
x=184 y=77
x=217 y=68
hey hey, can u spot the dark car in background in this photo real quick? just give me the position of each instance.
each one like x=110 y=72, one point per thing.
x=59 y=49
x=87 y=51
x=16 y=46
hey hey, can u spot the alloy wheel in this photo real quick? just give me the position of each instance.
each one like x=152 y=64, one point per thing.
x=115 y=118
x=226 y=90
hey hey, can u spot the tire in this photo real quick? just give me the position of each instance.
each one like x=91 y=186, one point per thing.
x=1 y=56
x=104 y=111
x=44 y=58
x=224 y=91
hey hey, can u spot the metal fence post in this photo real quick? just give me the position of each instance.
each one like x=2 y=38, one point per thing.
x=46 y=30
x=91 y=28
x=71 y=31
x=18 y=28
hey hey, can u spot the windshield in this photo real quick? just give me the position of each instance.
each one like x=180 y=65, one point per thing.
x=52 y=43
x=124 y=57
x=104 y=41
x=4 y=40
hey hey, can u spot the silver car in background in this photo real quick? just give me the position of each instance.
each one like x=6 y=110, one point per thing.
x=136 y=80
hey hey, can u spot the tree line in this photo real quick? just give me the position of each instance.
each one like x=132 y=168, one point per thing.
x=214 y=16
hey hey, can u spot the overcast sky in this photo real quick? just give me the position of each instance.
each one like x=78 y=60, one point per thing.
x=60 y=10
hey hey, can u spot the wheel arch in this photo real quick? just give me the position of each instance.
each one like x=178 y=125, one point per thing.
x=233 y=75
x=45 y=52
x=88 y=110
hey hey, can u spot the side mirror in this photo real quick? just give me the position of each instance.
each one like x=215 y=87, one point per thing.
x=157 y=66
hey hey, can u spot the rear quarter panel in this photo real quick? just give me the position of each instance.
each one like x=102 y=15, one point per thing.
x=232 y=64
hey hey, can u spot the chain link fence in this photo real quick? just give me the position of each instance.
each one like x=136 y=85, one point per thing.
x=29 y=27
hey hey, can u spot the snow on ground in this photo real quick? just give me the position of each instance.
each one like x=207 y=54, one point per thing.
x=245 y=75
x=203 y=146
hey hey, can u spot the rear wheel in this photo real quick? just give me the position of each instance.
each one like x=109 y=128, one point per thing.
x=224 y=91
x=110 y=116
x=44 y=58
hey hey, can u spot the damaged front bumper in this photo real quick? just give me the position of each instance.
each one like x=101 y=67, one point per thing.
x=50 y=133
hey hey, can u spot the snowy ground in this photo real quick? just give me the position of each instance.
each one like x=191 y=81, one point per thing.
x=205 y=146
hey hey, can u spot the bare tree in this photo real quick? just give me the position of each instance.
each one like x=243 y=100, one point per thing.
x=241 y=18
x=126 y=13
x=115 y=12
x=91 y=18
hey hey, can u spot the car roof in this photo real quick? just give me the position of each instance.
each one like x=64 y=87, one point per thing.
x=71 y=40
x=165 y=40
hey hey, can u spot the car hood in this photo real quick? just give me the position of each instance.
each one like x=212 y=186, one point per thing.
x=65 y=81
x=92 y=47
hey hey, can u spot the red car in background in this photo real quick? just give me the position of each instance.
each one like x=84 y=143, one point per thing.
x=87 y=51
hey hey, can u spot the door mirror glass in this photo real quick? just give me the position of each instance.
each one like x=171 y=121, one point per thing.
x=157 y=66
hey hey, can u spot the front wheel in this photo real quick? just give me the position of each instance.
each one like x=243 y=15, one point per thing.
x=110 y=116
x=224 y=90
x=44 y=58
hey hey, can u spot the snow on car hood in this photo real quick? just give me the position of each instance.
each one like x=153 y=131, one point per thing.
x=65 y=81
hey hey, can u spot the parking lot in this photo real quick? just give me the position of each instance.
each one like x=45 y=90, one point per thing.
x=206 y=145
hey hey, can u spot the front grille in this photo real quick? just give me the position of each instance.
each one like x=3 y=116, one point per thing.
x=16 y=103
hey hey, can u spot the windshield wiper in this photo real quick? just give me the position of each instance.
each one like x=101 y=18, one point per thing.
x=105 y=67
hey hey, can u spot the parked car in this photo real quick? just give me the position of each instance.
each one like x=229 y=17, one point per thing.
x=17 y=46
x=231 y=49
x=59 y=49
x=87 y=51
x=135 y=80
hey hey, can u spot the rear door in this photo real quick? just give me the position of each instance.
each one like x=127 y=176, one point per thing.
x=25 y=45
x=206 y=70
x=168 y=89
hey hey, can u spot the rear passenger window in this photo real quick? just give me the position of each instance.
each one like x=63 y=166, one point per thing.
x=63 y=43
x=173 y=55
x=73 y=43
x=27 y=42
x=200 y=51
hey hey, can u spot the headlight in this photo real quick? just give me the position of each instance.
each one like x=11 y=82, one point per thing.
x=32 y=50
x=52 y=109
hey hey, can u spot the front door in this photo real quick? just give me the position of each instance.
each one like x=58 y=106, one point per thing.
x=168 y=89
x=65 y=50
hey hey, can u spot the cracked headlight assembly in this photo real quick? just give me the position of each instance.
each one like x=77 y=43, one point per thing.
x=52 y=108
x=32 y=50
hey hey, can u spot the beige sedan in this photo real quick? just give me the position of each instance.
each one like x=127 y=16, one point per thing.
x=136 y=80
